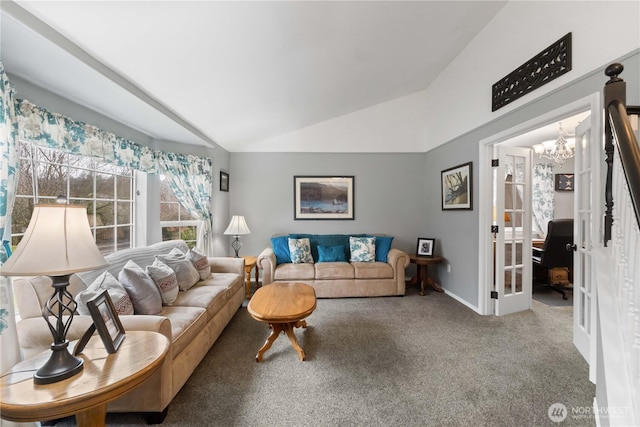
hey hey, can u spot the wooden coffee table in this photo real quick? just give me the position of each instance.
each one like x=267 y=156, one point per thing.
x=283 y=306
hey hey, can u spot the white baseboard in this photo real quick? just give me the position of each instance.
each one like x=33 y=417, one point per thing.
x=462 y=301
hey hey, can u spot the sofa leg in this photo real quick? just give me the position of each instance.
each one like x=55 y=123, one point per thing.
x=156 y=417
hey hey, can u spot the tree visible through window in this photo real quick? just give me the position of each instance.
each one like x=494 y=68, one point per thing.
x=106 y=190
x=175 y=220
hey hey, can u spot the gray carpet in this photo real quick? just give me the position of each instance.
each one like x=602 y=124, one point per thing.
x=549 y=296
x=397 y=361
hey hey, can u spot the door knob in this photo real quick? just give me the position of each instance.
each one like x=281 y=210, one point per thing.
x=571 y=247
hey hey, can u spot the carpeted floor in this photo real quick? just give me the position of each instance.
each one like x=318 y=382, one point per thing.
x=549 y=296
x=397 y=361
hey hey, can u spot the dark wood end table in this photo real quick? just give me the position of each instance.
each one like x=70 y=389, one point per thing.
x=423 y=263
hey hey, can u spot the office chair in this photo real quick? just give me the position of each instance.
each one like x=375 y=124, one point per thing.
x=556 y=252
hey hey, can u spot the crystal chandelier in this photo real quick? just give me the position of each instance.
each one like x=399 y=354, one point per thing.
x=559 y=150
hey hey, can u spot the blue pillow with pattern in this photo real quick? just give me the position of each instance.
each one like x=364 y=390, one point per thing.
x=331 y=254
x=300 y=251
x=363 y=249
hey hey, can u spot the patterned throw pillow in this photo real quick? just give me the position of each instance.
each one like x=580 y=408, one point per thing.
x=117 y=293
x=300 y=251
x=166 y=281
x=363 y=249
x=183 y=267
x=141 y=288
x=200 y=262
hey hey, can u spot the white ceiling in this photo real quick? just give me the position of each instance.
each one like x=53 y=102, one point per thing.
x=235 y=73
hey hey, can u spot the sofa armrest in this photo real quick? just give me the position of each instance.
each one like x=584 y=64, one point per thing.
x=227 y=265
x=398 y=260
x=267 y=263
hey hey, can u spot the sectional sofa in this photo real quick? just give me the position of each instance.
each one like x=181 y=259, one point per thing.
x=192 y=323
x=331 y=271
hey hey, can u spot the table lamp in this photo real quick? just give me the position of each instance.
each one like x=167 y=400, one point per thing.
x=58 y=242
x=237 y=227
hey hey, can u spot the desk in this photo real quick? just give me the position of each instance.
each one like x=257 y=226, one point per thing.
x=249 y=264
x=423 y=262
x=105 y=377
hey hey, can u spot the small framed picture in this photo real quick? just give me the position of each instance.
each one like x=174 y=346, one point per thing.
x=106 y=320
x=564 y=182
x=425 y=246
x=224 y=181
x=457 y=188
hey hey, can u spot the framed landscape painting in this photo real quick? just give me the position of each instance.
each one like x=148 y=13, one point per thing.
x=457 y=190
x=323 y=197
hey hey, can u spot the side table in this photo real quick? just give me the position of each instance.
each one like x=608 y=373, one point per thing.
x=250 y=262
x=423 y=262
x=105 y=377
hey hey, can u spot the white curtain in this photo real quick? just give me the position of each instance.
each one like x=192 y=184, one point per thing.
x=542 y=196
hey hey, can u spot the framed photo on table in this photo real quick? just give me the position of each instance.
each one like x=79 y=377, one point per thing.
x=456 y=187
x=425 y=246
x=323 y=197
x=105 y=318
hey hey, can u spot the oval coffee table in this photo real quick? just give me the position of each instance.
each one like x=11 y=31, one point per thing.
x=283 y=306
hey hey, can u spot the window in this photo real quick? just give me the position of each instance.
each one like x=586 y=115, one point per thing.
x=175 y=221
x=106 y=190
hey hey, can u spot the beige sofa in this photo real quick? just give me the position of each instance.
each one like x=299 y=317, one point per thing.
x=192 y=324
x=339 y=279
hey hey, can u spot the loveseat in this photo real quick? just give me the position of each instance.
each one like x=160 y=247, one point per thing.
x=333 y=269
x=192 y=323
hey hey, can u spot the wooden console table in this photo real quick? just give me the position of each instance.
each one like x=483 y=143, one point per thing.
x=105 y=377
x=423 y=262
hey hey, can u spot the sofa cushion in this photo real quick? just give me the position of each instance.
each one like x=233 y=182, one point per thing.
x=141 y=288
x=166 y=280
x=372 y=270
x=331 y=254
x=117 y=293
x=300 y=250
x=186 y=324
x=200 y=262
x=383 y=246
x=211 y=298
x=185 y=270
x=294 y=272
x=327 y=240
x=363 y=249
x=334 y=270
x=280 y=245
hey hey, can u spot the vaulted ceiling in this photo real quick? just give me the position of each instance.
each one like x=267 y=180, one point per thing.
x=233 y=73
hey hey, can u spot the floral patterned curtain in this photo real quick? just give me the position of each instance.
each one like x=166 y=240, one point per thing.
x=542 y=196
x=190 y=180
x=189 y=176
x=10 y=350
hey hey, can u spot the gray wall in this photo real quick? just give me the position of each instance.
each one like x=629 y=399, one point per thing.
x=457 y=231
x=388 y=194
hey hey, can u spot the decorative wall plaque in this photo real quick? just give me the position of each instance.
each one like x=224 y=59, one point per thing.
x=546 y=66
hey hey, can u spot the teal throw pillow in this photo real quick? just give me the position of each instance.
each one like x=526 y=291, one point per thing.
x=300 y=251
x=280 y=247
x=383 y=246
x=331 y=254
x=363 y=249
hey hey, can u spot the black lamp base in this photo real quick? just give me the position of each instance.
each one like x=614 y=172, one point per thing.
x=60 y=366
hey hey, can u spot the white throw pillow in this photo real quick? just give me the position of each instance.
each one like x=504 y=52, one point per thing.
x=141 y=288
x=183 y=267
x=166 y=280
x=117 y=293
x=363 y=249
x=200 y=262
x=300 y=251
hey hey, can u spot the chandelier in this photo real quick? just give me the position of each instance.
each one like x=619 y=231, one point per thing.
x=558 y=150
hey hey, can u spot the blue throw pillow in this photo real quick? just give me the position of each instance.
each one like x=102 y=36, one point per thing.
x=383 y=246
x=331 y=254
x=280 y=246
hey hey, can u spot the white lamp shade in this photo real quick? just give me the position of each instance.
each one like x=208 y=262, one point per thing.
x=58 y=241
x=237 y=226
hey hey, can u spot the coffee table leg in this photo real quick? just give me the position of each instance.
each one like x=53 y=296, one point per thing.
x=276 y=328
x=288 y=328
x=92 y=417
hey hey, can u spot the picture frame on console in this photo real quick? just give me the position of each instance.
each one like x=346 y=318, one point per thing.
x=323 y=198
x=106 y=320
x=425 y=246
x=457 y=187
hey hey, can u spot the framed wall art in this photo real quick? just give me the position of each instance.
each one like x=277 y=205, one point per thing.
x=457 y=190
x=323 y=197
x=425 y=246
x=224 y=181
x=564 y=182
